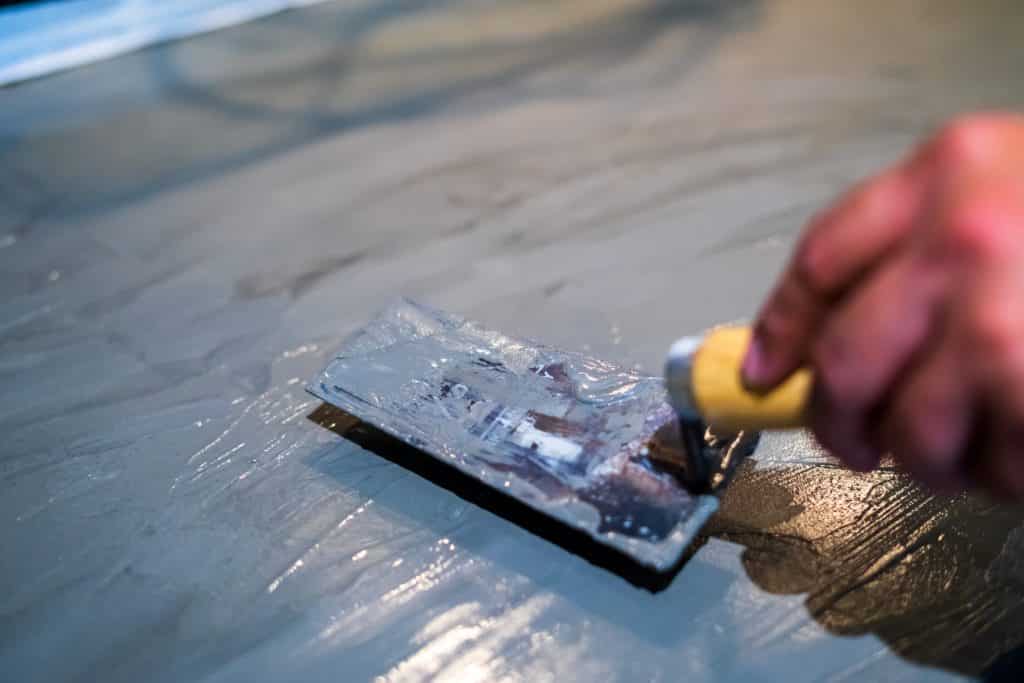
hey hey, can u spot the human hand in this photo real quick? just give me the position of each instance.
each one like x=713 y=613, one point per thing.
x=906 y=298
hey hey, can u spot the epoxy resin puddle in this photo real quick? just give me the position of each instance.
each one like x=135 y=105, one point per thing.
x=568 y=435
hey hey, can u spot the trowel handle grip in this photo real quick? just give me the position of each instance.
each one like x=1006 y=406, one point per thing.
x=703 y=379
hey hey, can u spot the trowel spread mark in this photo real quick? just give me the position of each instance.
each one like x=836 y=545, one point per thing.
x=300 y=562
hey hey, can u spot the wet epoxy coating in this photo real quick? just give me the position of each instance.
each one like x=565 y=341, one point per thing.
x=188 y=233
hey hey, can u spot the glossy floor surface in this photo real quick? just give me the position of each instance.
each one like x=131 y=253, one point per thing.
x=187 y=233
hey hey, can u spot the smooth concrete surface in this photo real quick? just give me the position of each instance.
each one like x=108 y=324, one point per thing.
x=187 y=233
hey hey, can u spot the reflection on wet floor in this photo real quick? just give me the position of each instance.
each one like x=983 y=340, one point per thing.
x=937 y=579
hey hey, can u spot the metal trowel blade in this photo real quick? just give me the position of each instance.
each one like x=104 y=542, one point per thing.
x=587 y=443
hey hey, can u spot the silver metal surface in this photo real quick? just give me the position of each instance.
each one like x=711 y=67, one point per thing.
x=678 y=376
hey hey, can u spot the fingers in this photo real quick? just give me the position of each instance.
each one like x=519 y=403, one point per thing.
x=864 y=227
x=991 y=142
x=928 y=423
x=996 y=327
x=838 y=248
x=864 y=347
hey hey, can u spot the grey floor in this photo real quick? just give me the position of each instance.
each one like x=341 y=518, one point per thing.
x=187 y=233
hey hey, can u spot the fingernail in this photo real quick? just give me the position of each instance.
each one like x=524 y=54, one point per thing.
x=753 y=370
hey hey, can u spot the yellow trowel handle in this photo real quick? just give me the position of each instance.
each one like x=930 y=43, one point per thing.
x=703 y=379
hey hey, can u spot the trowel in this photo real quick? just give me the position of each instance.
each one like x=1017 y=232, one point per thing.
x=702 y=376
x=631 y=462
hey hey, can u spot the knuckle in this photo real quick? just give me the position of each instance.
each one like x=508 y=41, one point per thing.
x=976 y=229
x=967 y=140
x=813 y=264
x=885 y=196
x=823 y=260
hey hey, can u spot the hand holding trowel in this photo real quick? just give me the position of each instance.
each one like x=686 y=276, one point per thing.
x=906 y=301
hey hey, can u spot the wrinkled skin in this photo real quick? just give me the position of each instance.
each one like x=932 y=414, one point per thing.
x=906 y=298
